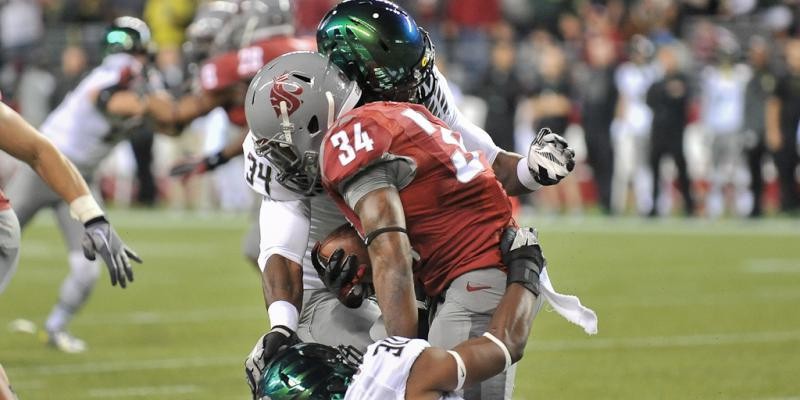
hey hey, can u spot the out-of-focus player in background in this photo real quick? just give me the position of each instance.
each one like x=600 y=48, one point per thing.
x=21 y=140
x=85 y=127
x=404 y=368
x=259 y=31
x=391 y=39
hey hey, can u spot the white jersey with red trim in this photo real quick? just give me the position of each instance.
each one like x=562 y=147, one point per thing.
x=384 y=373
x=77 y=127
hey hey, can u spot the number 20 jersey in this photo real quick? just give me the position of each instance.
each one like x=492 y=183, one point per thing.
x=455 y=208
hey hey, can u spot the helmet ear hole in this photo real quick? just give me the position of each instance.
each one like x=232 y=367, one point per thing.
x=313 y=125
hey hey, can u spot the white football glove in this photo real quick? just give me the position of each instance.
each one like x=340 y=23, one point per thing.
x=550 y=158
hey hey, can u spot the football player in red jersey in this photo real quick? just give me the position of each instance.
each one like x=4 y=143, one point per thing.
x=406 y=182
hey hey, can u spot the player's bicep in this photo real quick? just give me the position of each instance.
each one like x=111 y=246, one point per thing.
x=284 y=228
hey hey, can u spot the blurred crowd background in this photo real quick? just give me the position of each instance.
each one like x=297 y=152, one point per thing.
x=684 y=107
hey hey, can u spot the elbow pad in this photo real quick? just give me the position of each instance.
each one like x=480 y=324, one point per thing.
x=523 y=257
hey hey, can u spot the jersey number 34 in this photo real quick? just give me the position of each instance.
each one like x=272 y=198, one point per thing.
x=466 y=170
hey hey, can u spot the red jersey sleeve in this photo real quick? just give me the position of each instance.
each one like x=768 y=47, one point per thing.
x=357 y=141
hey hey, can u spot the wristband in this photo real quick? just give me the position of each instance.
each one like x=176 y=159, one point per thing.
x=283 y=313
x=525 y=176
x=462 y=370
x=502 y=346
x=215 y=160
x=85 y=208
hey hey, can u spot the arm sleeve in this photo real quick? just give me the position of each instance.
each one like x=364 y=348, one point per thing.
x=474 y=137
x=396 y=172
x=284 y=228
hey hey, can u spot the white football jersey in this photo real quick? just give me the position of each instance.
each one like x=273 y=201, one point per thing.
x=633 y=81
x=76 y=126
x=384 y=372
x=723 y=93
x=290 y=223
x=438 y=99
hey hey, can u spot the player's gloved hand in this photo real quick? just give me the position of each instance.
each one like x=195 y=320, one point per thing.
x=550 y=158
x=188 y=168
x=522 y=256
x=267 y=346
x=101 y=238
x=343 y=276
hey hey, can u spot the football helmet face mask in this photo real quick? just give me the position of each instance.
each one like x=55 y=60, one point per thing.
x=289 y=105
x=127 y=35
x=380 y=46
x=309 y=371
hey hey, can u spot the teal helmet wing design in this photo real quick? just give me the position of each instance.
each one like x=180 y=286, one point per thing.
x=379 y=45
x=127 y=35
x=309 y=371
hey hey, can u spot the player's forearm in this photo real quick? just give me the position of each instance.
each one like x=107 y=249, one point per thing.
x=513 y=318
x=511 y=324
x=167 y=110
x=23 y=142
x=394 y=285
x=505 y=169
x=390 y=256
x=282 y=280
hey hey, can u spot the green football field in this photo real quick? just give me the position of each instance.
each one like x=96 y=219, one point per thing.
x=688 y=310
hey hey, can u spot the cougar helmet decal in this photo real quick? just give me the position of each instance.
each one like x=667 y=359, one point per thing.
x=286 y=92
x=307 y=93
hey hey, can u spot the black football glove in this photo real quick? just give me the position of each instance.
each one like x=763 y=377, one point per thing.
x=343 y=276
x=267 y=347
x=101 y=238
x=550 y=158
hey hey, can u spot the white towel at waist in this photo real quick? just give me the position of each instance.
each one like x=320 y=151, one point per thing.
x=568 y=306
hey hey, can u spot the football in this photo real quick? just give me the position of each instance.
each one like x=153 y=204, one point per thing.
x=345 y=237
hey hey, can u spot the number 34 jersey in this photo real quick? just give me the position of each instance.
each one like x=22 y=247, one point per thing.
x=383 y=374
x=455 y=209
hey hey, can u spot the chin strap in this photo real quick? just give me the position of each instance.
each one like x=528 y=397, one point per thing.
x=372 y=235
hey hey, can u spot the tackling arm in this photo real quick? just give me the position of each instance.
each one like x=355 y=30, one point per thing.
x=436 y=371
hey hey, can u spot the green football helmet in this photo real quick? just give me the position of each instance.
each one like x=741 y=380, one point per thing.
x=309 y=371
x=127 y=35
x=377 y=44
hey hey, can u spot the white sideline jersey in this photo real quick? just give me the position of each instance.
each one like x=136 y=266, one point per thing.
x=290 y=224
x=723 y=93
x=384 y=372
x=632 y=82
x=76 y=126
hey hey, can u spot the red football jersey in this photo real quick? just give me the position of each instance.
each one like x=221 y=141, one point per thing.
x=454 y=207
x=235 y=69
